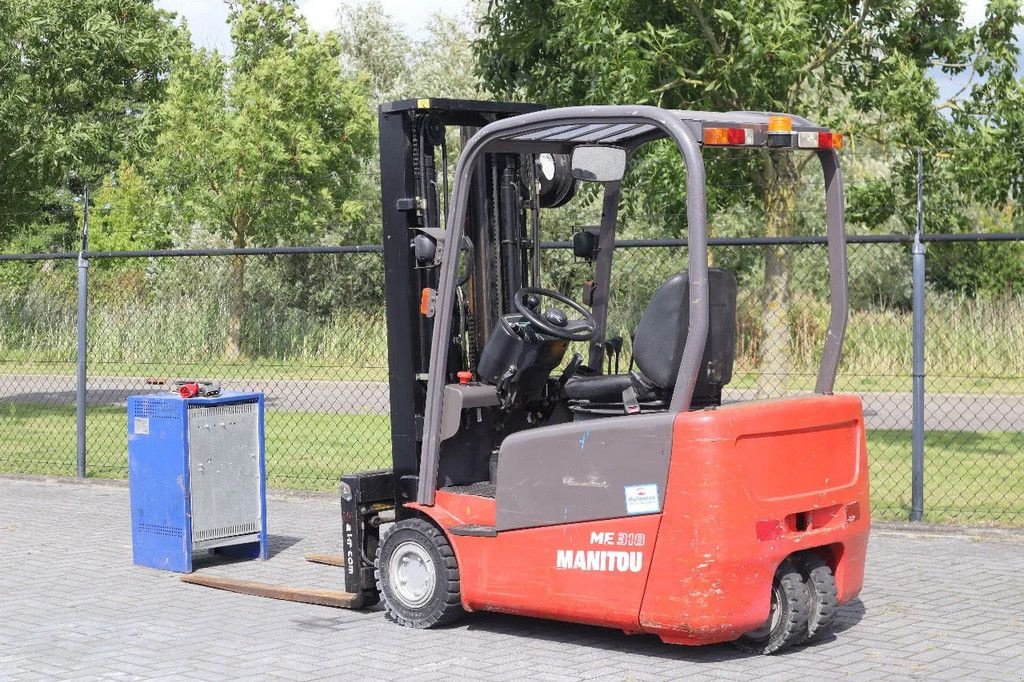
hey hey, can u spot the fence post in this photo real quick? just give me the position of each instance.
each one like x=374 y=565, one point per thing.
x=917 y=410
x=82 y=323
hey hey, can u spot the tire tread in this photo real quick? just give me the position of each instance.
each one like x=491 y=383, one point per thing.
x=792 y=628
x=450 y=607
x=823 y=593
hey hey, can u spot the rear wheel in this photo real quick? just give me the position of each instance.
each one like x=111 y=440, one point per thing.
x=417 y=576
x=821 y=585
x=787 y=620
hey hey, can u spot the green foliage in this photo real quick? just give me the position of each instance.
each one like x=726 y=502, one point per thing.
x=374 y=46
x=989 y=154
x=263 y=149
x=871 y=202
x=125 y=215
x=442 y=65
x=862 y=67
x=78 y=84
x=988 y=268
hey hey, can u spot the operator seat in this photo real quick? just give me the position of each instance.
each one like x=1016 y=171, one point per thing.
x=657 y=350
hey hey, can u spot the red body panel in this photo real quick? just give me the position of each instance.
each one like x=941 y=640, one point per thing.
x=749 y=484
x=522 y=572
x=741 y=481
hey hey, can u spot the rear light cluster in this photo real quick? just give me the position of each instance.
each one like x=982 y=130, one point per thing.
x=819 y=140
x=729 y=136
x=780 y=134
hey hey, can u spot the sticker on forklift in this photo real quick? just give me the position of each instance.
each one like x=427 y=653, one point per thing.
x=141 y=426
x=642 y=499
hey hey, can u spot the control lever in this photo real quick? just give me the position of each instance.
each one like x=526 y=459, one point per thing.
x=613 y=345
x=570 y=370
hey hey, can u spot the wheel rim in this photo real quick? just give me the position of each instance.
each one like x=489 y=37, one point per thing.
x=774 y=614
x=412 y=574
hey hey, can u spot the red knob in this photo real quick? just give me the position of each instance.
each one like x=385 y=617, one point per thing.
x=464 y=377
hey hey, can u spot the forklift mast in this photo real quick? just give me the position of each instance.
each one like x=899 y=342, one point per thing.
x=414 y=195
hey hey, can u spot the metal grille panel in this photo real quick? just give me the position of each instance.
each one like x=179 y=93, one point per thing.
x=224 y=470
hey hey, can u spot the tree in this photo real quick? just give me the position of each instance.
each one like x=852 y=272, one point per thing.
x=78 y=85
x=863 y=67
x=126 y=216
x=373 y=44
x=443 y=64
x=263 y=149
x=440 y=65
x=975 y=185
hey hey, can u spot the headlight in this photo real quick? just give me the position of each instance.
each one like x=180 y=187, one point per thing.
x=346 y=491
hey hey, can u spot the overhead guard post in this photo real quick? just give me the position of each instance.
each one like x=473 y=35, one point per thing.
x=697 y=330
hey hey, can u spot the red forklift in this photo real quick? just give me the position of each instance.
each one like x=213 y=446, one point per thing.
x=534 y=484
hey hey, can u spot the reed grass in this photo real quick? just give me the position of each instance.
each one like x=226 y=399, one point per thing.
x=977 y=341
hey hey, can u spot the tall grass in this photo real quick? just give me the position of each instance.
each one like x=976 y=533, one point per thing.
x=139 y=317
x=188 y=332
x=966 y=337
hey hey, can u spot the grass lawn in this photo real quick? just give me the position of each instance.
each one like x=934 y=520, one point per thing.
x=969 y=477
x=304 y=449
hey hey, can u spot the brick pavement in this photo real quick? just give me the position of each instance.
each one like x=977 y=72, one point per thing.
x=72 y=606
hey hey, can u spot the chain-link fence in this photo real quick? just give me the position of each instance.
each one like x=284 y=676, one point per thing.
x=307 y=328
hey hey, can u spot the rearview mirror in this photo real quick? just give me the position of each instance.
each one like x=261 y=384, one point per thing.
x=599 y=164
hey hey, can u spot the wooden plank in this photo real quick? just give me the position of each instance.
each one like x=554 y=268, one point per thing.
x=305 y=595
x=327 y=559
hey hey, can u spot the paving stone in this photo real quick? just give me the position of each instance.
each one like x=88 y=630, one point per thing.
x=934 y=606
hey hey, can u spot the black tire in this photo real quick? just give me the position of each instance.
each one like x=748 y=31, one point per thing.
x=787 y=622
x=823 y=593
x=417 y=576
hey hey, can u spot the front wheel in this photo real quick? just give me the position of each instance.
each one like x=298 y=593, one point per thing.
x=787 y=620
x=417 y=576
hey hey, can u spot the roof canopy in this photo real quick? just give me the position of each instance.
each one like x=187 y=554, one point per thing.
x=567 y=135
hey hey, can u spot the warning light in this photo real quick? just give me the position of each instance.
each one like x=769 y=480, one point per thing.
x=728 y=136
x=780 y=124
x=822 y=140
x=829 y=140
x=716 y=136
x=464 y=376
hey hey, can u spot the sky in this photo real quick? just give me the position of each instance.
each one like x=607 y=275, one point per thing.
x=207 y=19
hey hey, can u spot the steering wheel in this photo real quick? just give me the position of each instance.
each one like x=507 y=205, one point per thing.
x=553 y=321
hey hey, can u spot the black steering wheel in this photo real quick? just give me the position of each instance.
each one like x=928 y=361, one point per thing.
x=553 y=321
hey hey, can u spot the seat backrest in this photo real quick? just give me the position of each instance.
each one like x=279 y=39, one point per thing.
x=661 y=334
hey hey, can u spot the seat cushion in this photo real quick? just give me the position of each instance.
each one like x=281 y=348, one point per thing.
x=598 y=388
x=608 y=388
